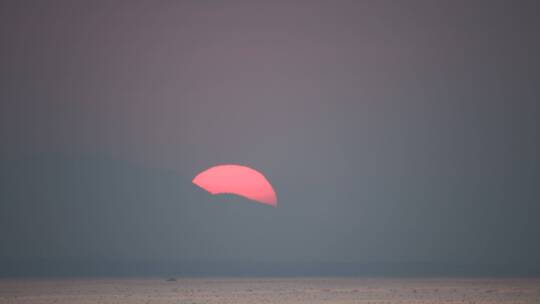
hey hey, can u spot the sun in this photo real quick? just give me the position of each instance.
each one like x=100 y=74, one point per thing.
x=239 y=180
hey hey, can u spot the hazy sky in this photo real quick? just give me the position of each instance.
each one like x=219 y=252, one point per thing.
x=392 y=131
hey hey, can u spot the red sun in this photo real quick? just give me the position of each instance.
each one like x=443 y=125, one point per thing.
x=239 y=180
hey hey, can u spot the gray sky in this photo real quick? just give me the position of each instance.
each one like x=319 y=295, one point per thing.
x=392 y=131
